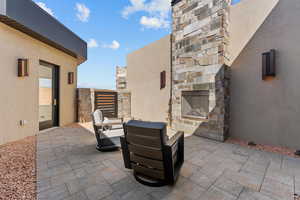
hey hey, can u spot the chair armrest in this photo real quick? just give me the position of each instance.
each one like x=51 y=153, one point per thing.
x=125 y=152
x=175 y=138
x=174 y=156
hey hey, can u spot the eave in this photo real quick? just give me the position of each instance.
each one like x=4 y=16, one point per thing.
x=29 y=18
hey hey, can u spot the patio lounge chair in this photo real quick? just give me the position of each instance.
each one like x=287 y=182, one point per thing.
x=102 y=126
x=155 y=160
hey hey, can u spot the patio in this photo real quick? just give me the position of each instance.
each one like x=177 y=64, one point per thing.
x=69 y=167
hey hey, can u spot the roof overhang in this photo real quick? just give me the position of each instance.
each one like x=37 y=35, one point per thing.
x=29 y=18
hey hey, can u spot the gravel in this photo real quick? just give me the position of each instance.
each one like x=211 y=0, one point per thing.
x=18 y=170
x=268 y=148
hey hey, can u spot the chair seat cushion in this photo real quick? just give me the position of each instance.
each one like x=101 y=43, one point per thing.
x=111 y=121
x=98 y=124
x=108 y=122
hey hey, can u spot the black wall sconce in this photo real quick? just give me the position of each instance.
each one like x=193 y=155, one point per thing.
x=162 y=79
x=23 y=67
x=269 y=64
x=70 y=77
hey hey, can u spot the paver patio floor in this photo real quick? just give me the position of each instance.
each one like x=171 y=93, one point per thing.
x=69 y=167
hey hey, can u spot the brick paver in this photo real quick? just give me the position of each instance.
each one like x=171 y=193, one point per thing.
x=69 y=167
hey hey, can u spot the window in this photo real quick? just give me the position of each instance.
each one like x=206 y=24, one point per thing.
x=162 y=79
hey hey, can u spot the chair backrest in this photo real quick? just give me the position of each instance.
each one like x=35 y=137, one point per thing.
x=97 y=116
x=145 y=143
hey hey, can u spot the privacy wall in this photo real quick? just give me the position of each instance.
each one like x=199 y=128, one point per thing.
x=149 y=101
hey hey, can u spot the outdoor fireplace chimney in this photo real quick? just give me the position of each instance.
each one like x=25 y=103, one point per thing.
x=200 y=77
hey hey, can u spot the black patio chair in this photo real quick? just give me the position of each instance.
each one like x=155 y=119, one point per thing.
x=155 y=159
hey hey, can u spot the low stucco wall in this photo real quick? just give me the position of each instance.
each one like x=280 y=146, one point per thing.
x=148 y=101
x=19 y=96
x=268 y=111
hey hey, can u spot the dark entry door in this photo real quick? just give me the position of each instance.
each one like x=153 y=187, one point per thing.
x=48 y=95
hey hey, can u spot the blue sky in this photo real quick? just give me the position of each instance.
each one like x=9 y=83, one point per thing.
x=113 y=29
x=235 y=1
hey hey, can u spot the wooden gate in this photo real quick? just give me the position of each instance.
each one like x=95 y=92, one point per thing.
x=107 y=101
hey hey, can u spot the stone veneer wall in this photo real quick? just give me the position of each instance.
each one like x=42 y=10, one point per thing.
x=121 y=78
x=124 y=96
x=86 y=105
x=124 y=102
x=199 y=54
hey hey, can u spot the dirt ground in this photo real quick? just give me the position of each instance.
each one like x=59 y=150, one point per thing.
x=18 y=170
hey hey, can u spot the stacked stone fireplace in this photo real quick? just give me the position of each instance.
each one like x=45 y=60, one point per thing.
x=200 y=77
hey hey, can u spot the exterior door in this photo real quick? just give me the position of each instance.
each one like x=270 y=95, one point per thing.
x=48 y=95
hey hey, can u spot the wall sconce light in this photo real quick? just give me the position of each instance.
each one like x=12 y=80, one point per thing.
x=71 y=77
x=23 y=67
x=269 y=64
x=162 y=79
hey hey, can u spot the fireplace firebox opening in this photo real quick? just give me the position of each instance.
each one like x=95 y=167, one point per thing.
x=195 y=104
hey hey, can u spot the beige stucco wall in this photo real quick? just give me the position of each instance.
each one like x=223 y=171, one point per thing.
x=268 y=111
x=19 y=96
x=148 y=101
x=245 y=18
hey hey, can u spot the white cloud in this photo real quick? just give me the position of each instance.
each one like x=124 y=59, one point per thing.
x=114 y=45
x=83 y=12
x=44 y=7
x=158 y=12
x=136 y=6
x=92 y=43
x=154 y=22
x=161 y=7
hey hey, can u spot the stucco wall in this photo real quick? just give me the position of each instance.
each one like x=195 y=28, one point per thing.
x=148 y=101
x=268 y=111
x=245 y=19
x=19 y=96
x=3 y=7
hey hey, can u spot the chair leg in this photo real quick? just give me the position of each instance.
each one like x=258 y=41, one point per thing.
x=96 y=129
x=98 y=145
